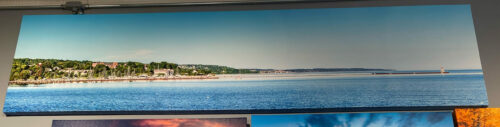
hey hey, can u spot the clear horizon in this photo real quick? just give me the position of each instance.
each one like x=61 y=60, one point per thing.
x=268 y=68
x=401 y=38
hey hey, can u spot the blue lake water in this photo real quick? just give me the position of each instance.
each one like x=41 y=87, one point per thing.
x=464 y=88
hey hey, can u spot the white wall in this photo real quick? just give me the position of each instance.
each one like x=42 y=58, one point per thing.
x=486 y=15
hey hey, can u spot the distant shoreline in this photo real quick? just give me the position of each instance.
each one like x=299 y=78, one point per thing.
x=256 y=76
x=51 y=81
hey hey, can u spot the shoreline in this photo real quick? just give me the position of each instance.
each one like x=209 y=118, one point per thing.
x=239 y=77
x=51 y=81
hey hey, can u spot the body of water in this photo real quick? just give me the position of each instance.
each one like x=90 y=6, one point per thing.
x=459 y=88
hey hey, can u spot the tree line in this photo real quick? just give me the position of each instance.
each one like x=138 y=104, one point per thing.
x=35 y=69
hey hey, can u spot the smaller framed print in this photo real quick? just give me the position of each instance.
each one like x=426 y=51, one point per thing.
x=206 y=122
x=393 y=119
x=477 y=117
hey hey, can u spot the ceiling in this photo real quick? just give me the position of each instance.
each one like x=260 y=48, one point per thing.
x=8 y=4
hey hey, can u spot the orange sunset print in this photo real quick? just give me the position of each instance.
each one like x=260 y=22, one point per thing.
x=209 y=122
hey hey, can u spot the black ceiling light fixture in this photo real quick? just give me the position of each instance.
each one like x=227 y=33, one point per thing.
x=76 y=7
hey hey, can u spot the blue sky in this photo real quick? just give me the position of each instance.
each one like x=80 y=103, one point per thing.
x=401 y=37
x=403 y=119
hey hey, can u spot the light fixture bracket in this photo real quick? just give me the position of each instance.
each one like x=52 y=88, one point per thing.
x=76 y=7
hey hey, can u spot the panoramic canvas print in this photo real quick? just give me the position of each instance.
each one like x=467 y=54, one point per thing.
x=477 y=117
x=210 y=122
x=396 y=119
x=325 y=59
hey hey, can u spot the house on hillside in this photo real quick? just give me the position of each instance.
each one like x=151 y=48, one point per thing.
x=109 y=64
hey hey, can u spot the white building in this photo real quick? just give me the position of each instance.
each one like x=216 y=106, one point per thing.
x=164 y=72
